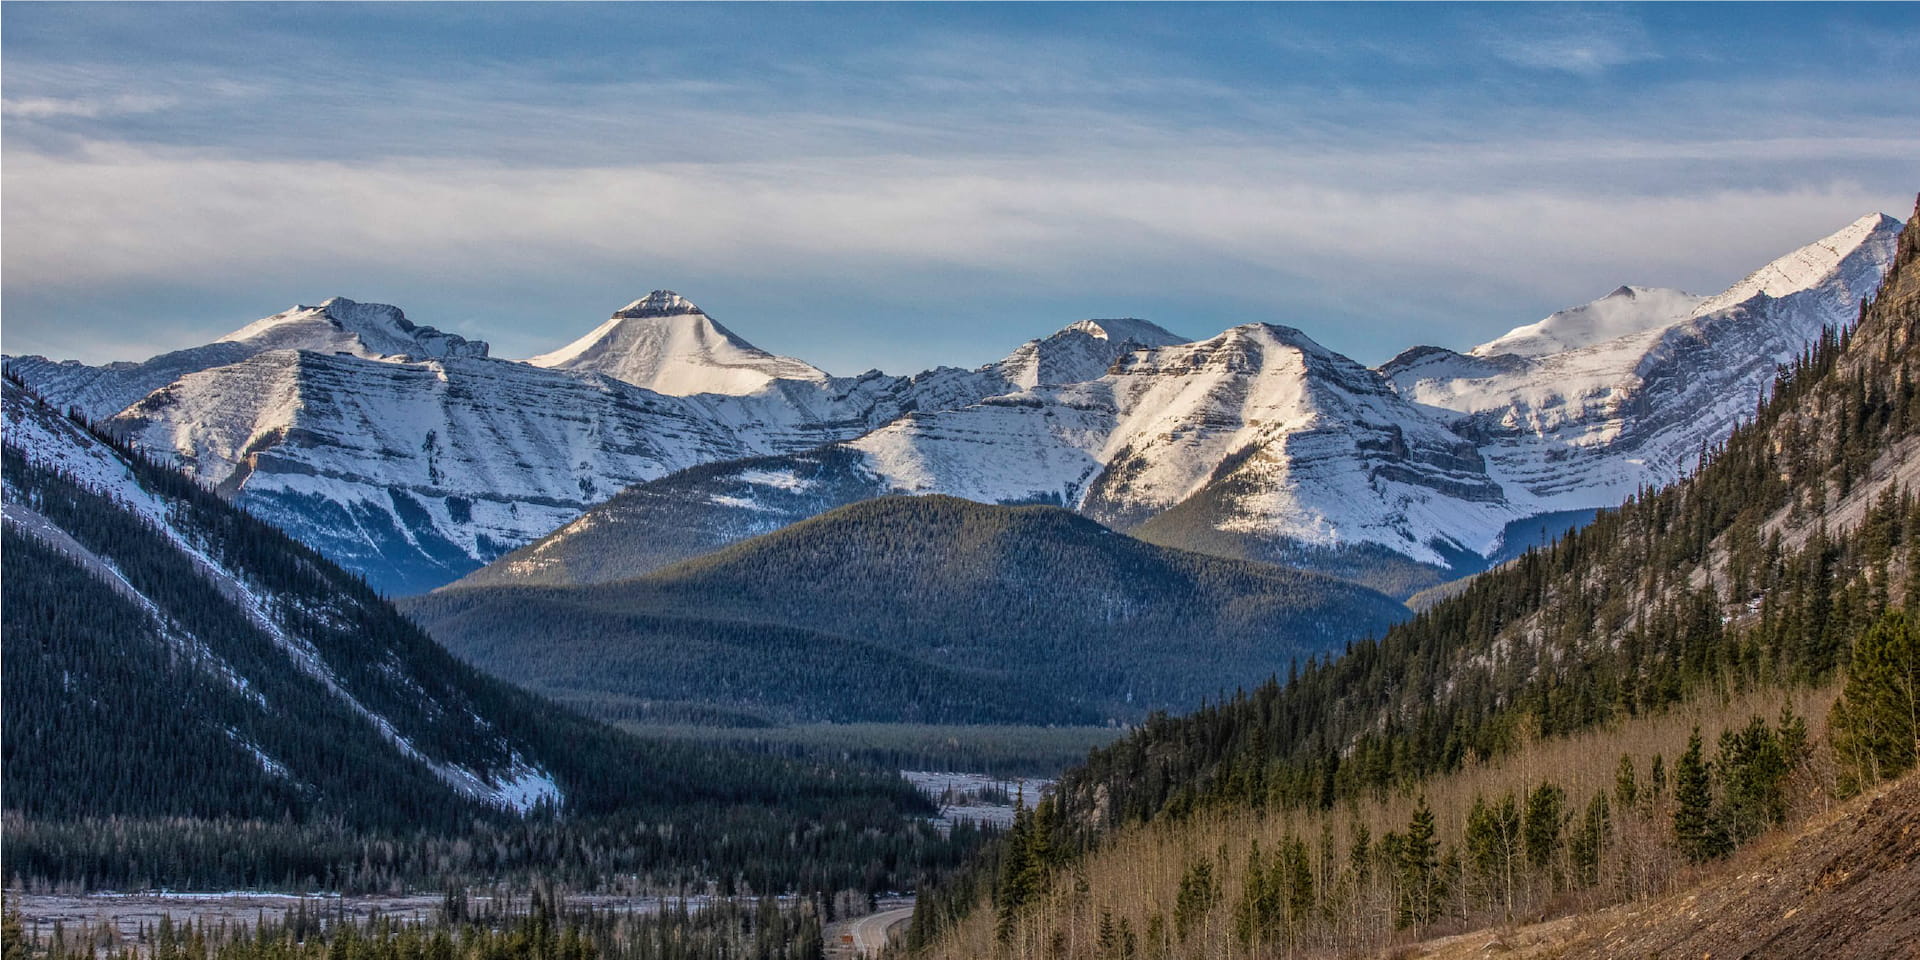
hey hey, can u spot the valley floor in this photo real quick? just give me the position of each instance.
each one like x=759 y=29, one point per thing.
x=127 y=915
x=1847 y=884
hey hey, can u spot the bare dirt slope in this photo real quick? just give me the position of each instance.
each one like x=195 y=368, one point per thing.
x=1847 y=886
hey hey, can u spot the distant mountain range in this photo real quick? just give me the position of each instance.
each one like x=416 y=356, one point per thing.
x=414 y=458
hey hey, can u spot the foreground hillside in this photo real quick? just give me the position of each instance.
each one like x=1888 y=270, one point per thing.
x=191 y=697
x=1843 y=886
x=930 y=609
x=1779 y=569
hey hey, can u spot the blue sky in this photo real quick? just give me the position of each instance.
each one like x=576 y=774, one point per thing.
x=899 y=186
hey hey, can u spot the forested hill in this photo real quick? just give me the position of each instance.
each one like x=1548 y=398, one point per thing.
x=920 y=608
x=1779 y=569
x=168 y=656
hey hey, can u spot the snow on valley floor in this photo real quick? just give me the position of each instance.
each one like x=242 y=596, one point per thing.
x=128 y=913
x=976 y=797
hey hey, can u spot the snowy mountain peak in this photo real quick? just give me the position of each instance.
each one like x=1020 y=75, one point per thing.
x=1080 y=352
x=659 y=303
x=666 y=344
x=1121 y=329
x=1274 y=334
x=1627 y=310
x=340 y=325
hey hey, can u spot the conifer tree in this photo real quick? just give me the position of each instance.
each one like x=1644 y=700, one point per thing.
x=1542 y=831
x=1876 y=724
x=1626 y=789
x=1753 y=769
x=1694 y=830
x=1589 y=842
x=1493 y=848
x=1197 y=897
x=1011 y=892
x=1419 y=869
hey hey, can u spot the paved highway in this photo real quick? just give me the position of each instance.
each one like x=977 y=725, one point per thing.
x=869 y=933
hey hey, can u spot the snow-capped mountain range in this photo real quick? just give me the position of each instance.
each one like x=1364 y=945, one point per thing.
x=412 y=456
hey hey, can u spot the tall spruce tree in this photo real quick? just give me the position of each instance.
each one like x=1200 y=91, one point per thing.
x=1695 y=829
x=1420 y=893
x=1876 y=724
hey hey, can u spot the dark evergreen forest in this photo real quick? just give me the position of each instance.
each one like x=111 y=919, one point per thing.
x=200 y=701
x=924 y=609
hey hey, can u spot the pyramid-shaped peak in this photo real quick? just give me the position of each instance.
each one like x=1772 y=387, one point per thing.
x=659 y=303
x=677 y=357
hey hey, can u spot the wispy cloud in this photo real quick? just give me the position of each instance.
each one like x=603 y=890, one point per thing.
x=1573 y=39
x=46 y=108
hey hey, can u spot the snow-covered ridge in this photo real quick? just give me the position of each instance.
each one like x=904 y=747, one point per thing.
x=339 y=325
x=1833 y=262
x=48 y=440
x=1587 y=425
x=336 y=326
x=1077 y=353
x=1626 y=311
x=1328 y=452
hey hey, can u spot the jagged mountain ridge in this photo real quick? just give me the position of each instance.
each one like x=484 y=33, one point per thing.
x=412 y=457
x=1586 y=427
x=1330 y=433
x=1254 y=444
x=336 y=325
x=1261 y=444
